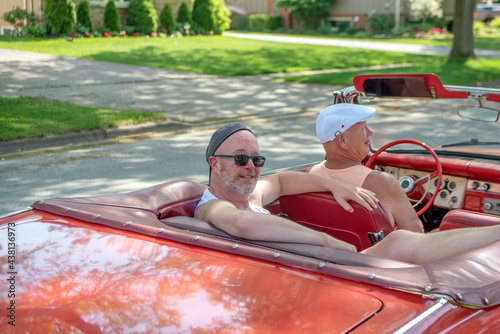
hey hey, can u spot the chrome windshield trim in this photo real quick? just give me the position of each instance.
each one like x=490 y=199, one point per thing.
x=422 y=316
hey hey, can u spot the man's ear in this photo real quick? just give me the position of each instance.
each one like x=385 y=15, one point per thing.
x=214 y=164
x=342 y=140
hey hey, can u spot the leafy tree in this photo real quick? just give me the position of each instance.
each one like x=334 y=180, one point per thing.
x=143 y=16
x=167 y=18
x=184 y=14
x=83 y=15
x=463 y=19
x=202 y=16
x=112 y=17
x=422 y=9
x=59 y=16
x=310 y=13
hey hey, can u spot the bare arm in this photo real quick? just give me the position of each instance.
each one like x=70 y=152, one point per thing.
x=394 y=201
x=288 y=183
x=259 y=226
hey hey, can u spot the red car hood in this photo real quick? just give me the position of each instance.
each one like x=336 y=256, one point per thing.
x=97 y=280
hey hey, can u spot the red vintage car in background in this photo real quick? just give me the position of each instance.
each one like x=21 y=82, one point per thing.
x=139 y=262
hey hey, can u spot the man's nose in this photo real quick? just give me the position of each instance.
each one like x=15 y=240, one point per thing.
x=250 y=164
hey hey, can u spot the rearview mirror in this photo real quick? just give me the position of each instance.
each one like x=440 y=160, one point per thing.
x=478 y=113
x=396 y=87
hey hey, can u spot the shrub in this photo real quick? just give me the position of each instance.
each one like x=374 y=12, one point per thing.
x=478 y=27
x=17 y=17
x=143 y=16
x=59 y=16
x=325 y=28
x=380 y=23
x=33 y=31
x=310 y=13
x=184 y=14
x=240 y=23
x=83 y=15
x=354 y=31
x=202 y=16
x=112 y=17
x=167 y=18
x=403 y=30
x=495 y=23
x=264 y=22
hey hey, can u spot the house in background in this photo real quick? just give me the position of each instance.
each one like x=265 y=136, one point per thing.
x=31 y=6
x=353 y=13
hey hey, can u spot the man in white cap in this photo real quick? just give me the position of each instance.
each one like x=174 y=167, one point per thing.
x=345 y=136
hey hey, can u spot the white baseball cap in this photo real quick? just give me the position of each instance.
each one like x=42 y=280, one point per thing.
x=337 y=118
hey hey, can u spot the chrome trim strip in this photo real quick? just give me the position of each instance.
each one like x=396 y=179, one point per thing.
x=16 y=212
x=427 y=313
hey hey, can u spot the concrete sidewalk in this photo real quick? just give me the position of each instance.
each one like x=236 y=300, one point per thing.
x=370 y=45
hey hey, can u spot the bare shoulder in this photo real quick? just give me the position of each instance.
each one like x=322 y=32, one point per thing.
x=207 y=210
x=378 y=180
x=314 y=169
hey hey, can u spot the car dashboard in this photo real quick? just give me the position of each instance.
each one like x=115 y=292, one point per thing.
x=467 y=185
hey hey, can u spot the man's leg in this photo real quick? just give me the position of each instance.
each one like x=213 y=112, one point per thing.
x=419 y=248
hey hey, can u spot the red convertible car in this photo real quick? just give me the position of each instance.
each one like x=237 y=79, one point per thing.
x=138 y=262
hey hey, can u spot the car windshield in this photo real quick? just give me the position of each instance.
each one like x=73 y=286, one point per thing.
x=464 y=128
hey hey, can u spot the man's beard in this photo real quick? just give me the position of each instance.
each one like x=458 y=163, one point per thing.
x=234 y=182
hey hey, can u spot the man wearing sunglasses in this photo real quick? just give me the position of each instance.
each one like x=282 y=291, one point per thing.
x=235 y=198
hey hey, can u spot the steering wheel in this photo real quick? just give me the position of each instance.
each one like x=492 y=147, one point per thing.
x=412 y=184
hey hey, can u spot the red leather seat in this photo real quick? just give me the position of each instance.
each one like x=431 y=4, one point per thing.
x=320 y=211
x=461 y=218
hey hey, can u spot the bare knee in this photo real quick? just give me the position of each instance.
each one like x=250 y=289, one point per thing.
x=398 y=245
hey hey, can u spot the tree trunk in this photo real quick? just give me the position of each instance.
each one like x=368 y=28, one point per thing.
x=463 y=19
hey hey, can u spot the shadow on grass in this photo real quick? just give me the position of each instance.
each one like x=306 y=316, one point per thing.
x=263 y=60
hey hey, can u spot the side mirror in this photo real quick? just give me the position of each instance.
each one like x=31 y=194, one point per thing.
x=478 y=113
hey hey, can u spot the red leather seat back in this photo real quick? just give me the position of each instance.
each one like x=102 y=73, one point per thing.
x=320 y=211
x=461 y=218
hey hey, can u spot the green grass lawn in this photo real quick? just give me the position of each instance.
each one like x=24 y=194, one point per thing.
x=228 y=56
x=219 y=55
x=451 y=72
x=25 y=117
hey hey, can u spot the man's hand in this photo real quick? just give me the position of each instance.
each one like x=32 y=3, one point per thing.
x=343 y=192
x=338 y=244
x=289 y=183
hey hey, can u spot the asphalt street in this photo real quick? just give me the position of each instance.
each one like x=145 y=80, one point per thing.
x=281 y=114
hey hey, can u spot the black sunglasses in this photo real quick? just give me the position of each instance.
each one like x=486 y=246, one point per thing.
x=242 y=160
